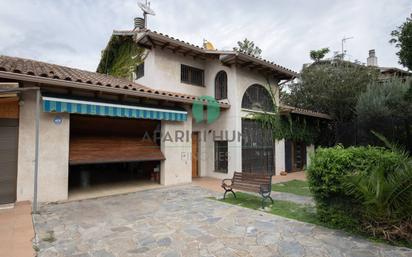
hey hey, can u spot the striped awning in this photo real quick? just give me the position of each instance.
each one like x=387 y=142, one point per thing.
x=59 y=105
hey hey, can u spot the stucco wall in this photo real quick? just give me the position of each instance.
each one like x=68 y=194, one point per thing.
x=230 y=121
x=53 y=154
x=177 y=168
x=279 y=156
x=162 y=71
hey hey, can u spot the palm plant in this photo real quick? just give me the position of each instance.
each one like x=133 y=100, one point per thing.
x=385 y=196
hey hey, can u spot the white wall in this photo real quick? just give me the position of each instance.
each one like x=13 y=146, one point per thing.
x=162 y=71
x=53 y=154
x=280 y=156
x=177 y=168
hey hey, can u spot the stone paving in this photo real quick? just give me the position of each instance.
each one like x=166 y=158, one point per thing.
x=181 y=221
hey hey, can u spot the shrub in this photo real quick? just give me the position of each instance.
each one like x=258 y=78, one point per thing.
x=385 y=197
x=328 y=176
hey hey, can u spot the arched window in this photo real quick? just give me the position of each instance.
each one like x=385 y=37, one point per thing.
x=257 y=98
x=221 y=85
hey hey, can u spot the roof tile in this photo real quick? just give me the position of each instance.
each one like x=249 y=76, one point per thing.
x=52 y=71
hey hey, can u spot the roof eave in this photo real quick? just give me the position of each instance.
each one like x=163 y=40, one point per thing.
x=285 y=109
x=85 y=86
x=281 y=73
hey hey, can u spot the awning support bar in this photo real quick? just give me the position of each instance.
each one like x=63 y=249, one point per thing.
x=36 y=150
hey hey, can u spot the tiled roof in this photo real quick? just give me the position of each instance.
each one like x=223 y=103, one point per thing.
x=47 y=70
x=61 y=73
x=140 y=34
x=290 y=109
x=394 y=70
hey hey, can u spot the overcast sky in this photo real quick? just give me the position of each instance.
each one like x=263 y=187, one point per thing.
x=73 y=32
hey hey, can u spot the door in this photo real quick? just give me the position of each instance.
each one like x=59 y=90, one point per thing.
x=257 y=148
x=295 y=156
x=195 y=154
x=8 y=160
x=299 y=155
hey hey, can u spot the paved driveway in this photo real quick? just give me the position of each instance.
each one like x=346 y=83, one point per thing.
x=181 y=221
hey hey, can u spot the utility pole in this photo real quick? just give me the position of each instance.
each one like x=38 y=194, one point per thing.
x=344 y=39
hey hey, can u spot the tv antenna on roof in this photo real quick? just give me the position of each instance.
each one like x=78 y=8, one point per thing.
x=344 y=39
x=146 y=10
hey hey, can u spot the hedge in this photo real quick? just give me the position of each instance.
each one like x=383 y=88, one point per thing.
x=327 y=174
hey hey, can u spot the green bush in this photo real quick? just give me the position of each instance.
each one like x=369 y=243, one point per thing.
x=329 y=172
x=385 y=197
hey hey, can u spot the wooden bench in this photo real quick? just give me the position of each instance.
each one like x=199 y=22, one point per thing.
x=251 y=182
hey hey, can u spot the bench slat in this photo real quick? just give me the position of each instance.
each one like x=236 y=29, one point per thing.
x=250 y=181
x=257 y=190
x=264 y=176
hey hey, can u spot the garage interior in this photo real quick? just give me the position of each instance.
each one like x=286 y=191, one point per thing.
x=112 y=156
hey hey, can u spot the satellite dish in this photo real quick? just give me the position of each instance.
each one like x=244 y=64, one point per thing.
x=146 y=8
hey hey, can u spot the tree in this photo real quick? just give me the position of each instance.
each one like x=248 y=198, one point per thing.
x=402 y=38
x=330 y=87
x=333 y=88
x=386 y=107
x=317 y=55
x=248 y=47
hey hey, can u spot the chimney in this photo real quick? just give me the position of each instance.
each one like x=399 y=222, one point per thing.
x=139 y=23
x=372 y=60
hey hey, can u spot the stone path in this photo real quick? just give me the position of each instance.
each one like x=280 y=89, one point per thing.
x=181 y=221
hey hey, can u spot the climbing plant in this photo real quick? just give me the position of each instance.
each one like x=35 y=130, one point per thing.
x=121 y=57
x=288 y=126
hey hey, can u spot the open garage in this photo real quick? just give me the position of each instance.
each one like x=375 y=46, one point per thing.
x=112 y=155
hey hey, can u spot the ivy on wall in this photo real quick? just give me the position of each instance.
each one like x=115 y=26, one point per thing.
x=289 y=126
x=120 y=57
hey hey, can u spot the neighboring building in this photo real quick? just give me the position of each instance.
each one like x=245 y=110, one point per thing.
x=385 y=72
x=371 y=61
x=95 y=126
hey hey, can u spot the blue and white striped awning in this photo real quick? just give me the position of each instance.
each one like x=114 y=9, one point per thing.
x=59 y=105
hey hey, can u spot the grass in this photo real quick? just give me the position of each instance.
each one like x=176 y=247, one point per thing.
x=295 y=211
x=282 y=208
x=297 y=187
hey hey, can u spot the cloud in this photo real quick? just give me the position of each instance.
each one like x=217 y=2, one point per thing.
x=73 y=32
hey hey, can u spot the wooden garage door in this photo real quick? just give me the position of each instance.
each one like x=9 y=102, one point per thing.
x=110 y=140
x=8 y=160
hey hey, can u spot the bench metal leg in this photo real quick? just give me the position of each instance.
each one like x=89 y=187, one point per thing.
x=228 y=190
x=264 y=200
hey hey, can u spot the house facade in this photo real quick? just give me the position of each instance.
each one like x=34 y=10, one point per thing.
x=156 y=128
x=245 y=81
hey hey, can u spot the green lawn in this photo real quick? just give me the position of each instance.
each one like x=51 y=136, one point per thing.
x=282 y=208
x=296 y=187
